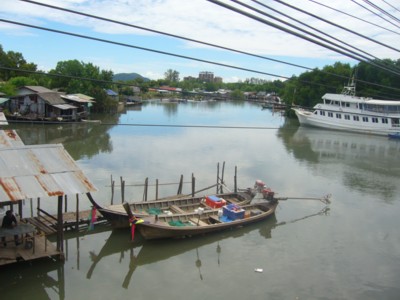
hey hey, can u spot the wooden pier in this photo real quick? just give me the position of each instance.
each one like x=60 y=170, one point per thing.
x=37 y=245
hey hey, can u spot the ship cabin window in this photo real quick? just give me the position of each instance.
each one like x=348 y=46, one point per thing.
x=346 y=104
x=330 y=114
x=322 y=113
x=337 y=103
x=375 y=120
x=356 y=118
x=338 y=116
x=365 y=119
x=385 y=121
x=347 y=117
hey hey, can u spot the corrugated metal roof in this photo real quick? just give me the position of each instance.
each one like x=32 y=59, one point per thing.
x=36 y=89
x=78 y=98
x=65 y=106
x=9 y=138
x=38 y=171
x=52 y=98
x=3 y=119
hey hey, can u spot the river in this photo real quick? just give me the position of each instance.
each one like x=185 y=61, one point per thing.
x=348 y=250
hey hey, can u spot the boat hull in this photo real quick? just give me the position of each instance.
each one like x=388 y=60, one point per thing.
x=118 y=217
x=159 y=228
x=309 y=118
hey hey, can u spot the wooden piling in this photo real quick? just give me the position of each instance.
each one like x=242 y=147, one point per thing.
x=156 y=189
x=122 y=189
x=193 y=185
x=77 y=213
x=217 y=178
x=146 y=188
x=180 y=186
x=222 y=177
x=60 y=229
x=235 y=180
x=112 y=190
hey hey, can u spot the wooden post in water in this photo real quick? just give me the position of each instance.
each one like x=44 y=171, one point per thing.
x=60 y=229
x=77 y=213
x=180 y=186
x=30 y=201
x=222 y=177
x=20 y=209
x=146 y=188
x=112 y=190
x=122 y=189
x=156 y=189
x=193 y=185
x=217 y=178
x=66 y=203
x=235 y=180
x=38 y=206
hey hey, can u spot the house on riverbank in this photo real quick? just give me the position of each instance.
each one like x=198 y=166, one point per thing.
x=37 y=103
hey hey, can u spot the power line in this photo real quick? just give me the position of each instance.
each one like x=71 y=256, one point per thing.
x=392 y=6
x=164 y=33
x=338 y=26
x=382 y=10
x=355 y=17
x=371 y=11
x=237 y=10
x=175 y=36
x=316 y=36
x=141 y=48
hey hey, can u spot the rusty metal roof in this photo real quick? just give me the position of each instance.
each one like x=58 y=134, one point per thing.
x=37 y=170
x=3 y=119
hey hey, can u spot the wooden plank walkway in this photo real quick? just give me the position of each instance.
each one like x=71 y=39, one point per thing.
x=12 y=253
x=47 y=225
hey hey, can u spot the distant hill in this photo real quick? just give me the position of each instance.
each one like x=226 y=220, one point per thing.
x=128 y=76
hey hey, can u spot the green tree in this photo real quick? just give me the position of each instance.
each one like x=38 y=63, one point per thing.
x=171 y=76
x=13 y=60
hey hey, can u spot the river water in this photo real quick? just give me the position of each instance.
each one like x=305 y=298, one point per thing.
x=348 y=250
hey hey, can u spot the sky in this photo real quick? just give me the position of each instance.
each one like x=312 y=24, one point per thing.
x=200 y=20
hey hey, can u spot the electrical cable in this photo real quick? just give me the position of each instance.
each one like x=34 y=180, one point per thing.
x=338 y=26
x=355 y=17
x=293 y=33
x=377 y=62
x=175 y=36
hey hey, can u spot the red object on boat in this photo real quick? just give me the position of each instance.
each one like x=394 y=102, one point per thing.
x=215 y=202
x=268 y=193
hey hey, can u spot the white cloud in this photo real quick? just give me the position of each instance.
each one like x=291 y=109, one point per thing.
x=205 y=21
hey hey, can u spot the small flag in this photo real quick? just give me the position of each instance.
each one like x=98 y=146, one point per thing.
x=92 y=218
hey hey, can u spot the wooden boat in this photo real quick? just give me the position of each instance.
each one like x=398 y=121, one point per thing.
x=118 y=217
x=203 y=222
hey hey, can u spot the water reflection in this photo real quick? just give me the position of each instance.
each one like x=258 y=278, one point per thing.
x=141 y=252
x=366 y=163
x=81 y=140
x=30 y=280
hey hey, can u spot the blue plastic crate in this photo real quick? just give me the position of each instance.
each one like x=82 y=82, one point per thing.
x=233 y=212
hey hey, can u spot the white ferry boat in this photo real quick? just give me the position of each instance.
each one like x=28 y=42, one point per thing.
x=351 y=113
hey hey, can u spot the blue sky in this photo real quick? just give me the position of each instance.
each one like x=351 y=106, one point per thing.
x=196 y=19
